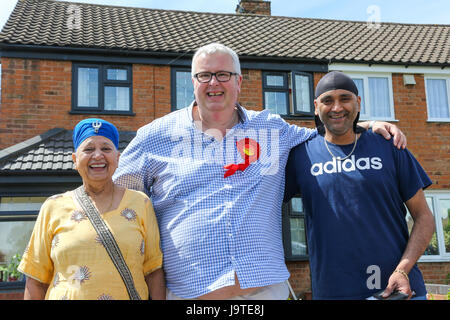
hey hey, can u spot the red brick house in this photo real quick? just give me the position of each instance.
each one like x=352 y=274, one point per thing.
x=62 y=62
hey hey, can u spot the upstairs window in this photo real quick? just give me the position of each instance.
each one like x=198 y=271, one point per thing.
x=101 y=88
x=438 y=97
x=182 y=88
x=288 y=93
x=376 y=96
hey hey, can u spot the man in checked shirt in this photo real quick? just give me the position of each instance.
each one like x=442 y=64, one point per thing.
x=215 y=173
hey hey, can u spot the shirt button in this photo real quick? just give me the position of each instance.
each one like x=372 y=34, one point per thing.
x=228 y=204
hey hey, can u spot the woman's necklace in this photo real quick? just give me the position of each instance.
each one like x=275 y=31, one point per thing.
x=110 y=203
x=347 y=156
x=112 y=198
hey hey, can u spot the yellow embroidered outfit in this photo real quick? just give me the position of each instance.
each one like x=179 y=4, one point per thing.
x=65 y=251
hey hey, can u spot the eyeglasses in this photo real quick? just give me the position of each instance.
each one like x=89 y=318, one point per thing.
x=221 y=76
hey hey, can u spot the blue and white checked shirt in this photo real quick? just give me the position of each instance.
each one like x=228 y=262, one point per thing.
x=211 y=226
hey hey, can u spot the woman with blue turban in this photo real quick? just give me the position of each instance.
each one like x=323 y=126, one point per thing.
x=70 y=257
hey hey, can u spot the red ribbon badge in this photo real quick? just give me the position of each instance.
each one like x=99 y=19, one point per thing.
x=249 y=150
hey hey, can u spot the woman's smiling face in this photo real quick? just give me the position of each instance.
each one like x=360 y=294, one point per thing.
x=96 y=159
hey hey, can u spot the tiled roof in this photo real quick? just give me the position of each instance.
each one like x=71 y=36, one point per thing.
x=44 y=22
x=50 y=151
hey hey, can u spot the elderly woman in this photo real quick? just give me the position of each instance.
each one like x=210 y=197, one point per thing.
x=69 y=256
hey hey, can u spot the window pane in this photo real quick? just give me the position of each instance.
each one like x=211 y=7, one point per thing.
x=276 y=102
x=437 y=98
x=297 y=205
x=184 y=89
x=302 y=93
x=379 y=97
x=433 y=246
x=117 y=98
x=14 y=237
x=444 y=215
x=87 y=87
x=21 y=203
x=298 y=239
x=116 y=74
x=360 y=85
x=274 y=80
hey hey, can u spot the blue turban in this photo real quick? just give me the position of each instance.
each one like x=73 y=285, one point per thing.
x=94 y=127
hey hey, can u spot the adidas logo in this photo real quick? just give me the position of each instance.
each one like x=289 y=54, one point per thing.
x=348 y=165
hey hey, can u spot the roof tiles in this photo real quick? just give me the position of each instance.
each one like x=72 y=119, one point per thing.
x=45 y=22
x=51 y=151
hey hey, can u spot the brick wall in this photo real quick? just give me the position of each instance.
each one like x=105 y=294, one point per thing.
x=300 y=279
x=428 y=141
x=251 y=96
x=36 y=97
x=435 y=272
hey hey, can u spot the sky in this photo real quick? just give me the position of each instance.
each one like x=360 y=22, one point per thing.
x=401 y=11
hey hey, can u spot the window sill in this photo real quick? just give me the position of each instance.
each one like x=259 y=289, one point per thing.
x=434 y=259
x=378 y=119
x=445 y=120
x=116 y=113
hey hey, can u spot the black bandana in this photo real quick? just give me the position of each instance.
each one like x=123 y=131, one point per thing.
x=335 y=80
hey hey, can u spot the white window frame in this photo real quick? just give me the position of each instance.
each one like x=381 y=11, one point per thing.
x=365 y=76
x=443 y=256
x=447 y=82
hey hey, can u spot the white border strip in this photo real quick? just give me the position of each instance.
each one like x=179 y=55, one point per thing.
x=387 y=68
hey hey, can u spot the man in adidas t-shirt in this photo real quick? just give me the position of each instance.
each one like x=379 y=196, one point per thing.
x=354 y=185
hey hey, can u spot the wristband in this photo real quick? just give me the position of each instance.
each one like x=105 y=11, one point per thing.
x=371 y=123
x=403 y=273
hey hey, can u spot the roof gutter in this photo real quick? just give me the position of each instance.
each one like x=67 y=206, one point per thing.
x=167 y=57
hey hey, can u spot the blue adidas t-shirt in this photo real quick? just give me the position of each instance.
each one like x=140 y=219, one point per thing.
x=355 y=213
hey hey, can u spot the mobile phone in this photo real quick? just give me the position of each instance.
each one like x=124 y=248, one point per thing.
x=395 y=295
